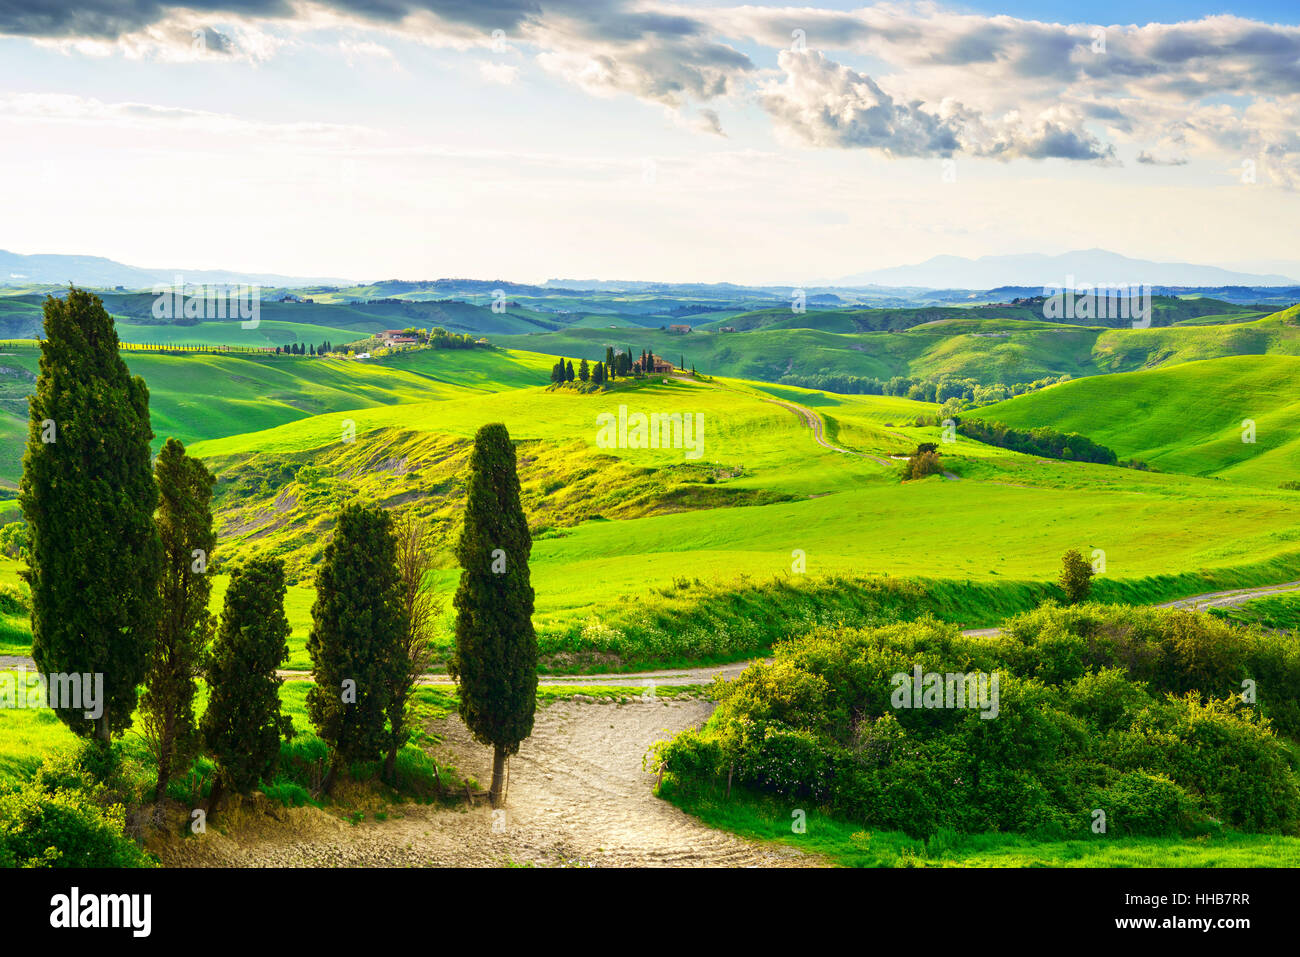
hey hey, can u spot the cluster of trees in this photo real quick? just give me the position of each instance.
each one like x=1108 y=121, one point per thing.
x=119 y=551
x=969 y=392
x=298 y=349
x=1042 y=441
x=563 y=372
x=440 y=338
x=119 y=554
x=1137 y=712
x=621 y=363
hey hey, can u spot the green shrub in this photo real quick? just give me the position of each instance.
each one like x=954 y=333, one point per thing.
x=1139 y=712
x=12 y=601
x=63 y=828
x=1140 y=803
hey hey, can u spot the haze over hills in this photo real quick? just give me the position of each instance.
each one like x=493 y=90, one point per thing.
x=98 y=272
x=1030 y=270
x=1085 y=265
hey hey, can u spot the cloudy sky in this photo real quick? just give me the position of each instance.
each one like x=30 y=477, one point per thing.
x=529 y=139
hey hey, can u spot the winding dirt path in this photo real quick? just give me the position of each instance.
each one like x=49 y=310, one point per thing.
x=577 y=797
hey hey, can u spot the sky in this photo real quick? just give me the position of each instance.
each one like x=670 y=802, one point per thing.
x=633 y=139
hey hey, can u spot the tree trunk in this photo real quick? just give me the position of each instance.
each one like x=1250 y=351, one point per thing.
x=102 y=729
x=498 y=775
x=390 y=766
x=214 y=797
x=164 y=775
x=166 y=743
x=328 y=783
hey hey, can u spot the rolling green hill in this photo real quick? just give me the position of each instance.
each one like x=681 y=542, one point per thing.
x=204 y=396
x=1183 y=418
x=621 y=532
x=988 y=350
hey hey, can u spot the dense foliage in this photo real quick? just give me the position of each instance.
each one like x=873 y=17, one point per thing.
x=1167 y=721
x=185 y=625
x=243 y=725
x=70 y=814
x=1041 y=441
x=88 y=496
x=357 y=636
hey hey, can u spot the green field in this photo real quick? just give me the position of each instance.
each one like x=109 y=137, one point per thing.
x=847 y=844
x=1186 y=418
x=204 y=396
x=622 y=529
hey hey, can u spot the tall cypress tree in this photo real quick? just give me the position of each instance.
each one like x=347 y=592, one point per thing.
x=357 y=637
x=495 y=660
x=88 y=495
x=243 y=724
x=584 y=371
x=185 y=626
x=568 y=372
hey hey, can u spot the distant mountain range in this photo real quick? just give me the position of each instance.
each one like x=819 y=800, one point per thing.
x=1030 y=271
x=99 y=273
x=1087 y=266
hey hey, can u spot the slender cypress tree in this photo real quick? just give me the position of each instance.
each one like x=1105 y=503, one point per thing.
x=584 y=371
x=568 y=372
x=185 y=626
x=243 y=724
x=356 y=638
x=495 y=660
x=88 y=495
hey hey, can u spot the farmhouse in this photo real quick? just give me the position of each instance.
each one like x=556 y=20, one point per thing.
x=396 y=337
x=679 y=329
x=657 y=364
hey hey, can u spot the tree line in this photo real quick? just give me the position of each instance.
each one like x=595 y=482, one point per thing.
x=1042 y=441
x=120 y=550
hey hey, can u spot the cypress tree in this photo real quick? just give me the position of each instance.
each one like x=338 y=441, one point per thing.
x=495 y=660
x=88 y=496
x=568 y=372
x=243 y=724
x=356 y=637
x=185 y=626
x=584 y=371
x=598 y=373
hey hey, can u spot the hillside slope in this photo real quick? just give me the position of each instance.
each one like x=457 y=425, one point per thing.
x=1181 y=418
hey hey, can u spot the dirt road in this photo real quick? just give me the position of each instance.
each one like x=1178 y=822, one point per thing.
x=578 y=797
x=705 y=675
